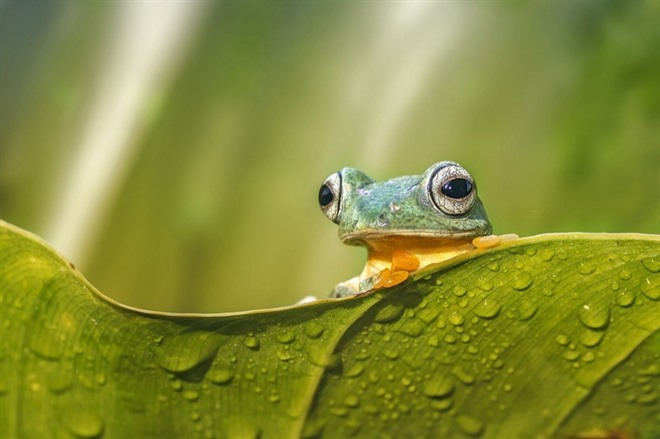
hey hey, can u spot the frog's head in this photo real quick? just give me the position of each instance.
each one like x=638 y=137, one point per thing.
x=441 y=203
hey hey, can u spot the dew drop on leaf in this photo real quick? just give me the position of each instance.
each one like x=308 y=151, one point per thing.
x=625 y=274
x=351 y=401
x=651 y=264
x=412 y=328
x=313 y=330
x=470 y=426
x=251 y=342
x=650 y=287
x=456 y=318
x=83 y=423
x=220 y=376
x=493 y=266
x=521 y=281
x=439 y=387
x=487 y=309
x=190 y=395
x=59 y=381
x=547 y=255
x=459 y=290
x=585 y=268
x=591 y=339
x=355 y=371
x=624 y=298
x=442 y=405
x=594 y=316
x=286 y=337
x=527 y=309
x=389 y=313
x=571 y=355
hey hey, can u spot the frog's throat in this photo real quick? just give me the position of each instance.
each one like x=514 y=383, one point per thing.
x=427 y=250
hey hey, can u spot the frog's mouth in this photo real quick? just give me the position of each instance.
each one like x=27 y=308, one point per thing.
x=428 y=249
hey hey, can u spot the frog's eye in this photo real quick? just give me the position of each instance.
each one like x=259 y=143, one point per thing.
x=330 y=196
x=452 y=189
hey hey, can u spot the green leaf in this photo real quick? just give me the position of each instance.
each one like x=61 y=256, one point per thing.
x=554 y=335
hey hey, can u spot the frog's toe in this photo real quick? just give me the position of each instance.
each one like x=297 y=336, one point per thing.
x=348 y=288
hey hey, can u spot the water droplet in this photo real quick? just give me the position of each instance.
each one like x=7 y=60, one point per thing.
x=624 y=298
x=412 y=328
x=648 y=399
x=313 y=330
x=651 y=264
x=186 y=351
x=588 y=357
x=442 y=405
x=351 y=401
x=284 y=355
x=493 y=266
x=521 y=281
x=487 y=309
x=591 y=339
x=320 y=356
x=190 y=395
x=614 y=286
x=392 y=354
x=571 y=355
x=585 y=268
x=547 y=255
x=59 y=381
x=470 y=426
x=650 y=287
x=251 y=342
x=176 y=384
x=463 y=376
x=83 y=423
x=450 y=339
x=594 y=316
x=355 y=370
x=527 y=309
x=439 y=387
x=220 y=376
x=429 y=315
x=274 y=398
x=625 y=274
x=650 y=370
x=485 y=284
x=456 y=318
x=389 y=313
x=286 y=337
x=562 y=339
x=459 y=290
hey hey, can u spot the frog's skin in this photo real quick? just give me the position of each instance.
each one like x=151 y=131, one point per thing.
x=417 y=219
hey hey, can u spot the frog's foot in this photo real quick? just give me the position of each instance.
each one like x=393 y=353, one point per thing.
x=350 y=287
x=490 y=241
x=307 y=299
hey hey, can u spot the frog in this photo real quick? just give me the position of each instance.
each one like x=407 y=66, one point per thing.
x=405 y=223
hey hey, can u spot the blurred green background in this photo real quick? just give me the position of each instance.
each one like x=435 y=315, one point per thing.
x=173 y=151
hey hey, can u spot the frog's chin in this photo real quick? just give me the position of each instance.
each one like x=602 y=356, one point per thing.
x=402 y=239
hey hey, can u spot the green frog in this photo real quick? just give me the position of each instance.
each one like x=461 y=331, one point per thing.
x=405 y=223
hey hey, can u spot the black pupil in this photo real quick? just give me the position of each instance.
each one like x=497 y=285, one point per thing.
x=457 y=188
x=325 y=196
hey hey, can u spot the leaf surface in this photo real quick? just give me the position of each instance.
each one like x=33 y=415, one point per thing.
x=554 y=335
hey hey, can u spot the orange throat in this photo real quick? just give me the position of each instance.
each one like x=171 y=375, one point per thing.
x=408 y=253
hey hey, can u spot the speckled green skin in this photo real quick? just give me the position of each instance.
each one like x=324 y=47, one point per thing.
x=400 y=207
